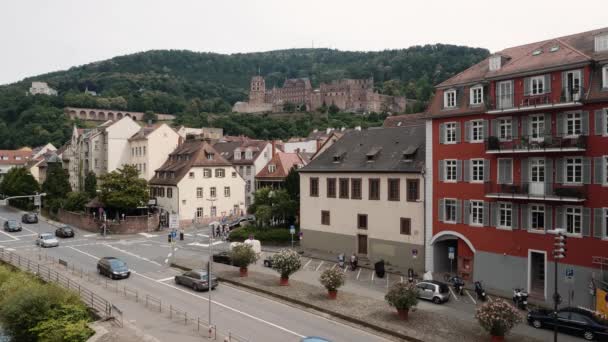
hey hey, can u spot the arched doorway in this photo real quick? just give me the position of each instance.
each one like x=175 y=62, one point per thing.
x=101 y=116
x=92 y=115
x=118 y=116
x=111 y=116
x=83 y=114
x=453 y=252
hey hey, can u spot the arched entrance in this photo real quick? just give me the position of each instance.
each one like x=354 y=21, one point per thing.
x=453 y=252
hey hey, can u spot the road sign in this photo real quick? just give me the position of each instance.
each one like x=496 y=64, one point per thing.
x=36 y=200
x=174 y=221
x=451 y=252
x=292 y=229
x=569 y=275
x=2 y=202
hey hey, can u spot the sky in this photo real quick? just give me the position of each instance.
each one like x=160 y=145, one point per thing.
x=39 y=36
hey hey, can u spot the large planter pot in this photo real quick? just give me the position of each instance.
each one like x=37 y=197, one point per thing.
x=497 y=338
x=243 y=271
x=403 y=313
x=284 y=281
x=332 y=294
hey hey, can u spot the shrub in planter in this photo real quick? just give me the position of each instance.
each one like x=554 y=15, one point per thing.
x=332 y=279
x=286 y=262
x=242 y=256
x=497 y=317
x=402 y=296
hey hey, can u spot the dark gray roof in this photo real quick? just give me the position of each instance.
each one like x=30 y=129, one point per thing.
x=374 y=150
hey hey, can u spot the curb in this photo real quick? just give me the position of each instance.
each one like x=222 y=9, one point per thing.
x=357 y=321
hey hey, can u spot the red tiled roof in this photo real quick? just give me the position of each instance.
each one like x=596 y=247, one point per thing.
x=404 y=120
x=284 y=162
x=9 y=157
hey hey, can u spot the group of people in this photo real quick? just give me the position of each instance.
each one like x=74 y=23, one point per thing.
x=221 y=232
x=354 y=260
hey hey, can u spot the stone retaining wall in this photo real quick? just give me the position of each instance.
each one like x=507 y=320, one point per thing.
x=131 y=224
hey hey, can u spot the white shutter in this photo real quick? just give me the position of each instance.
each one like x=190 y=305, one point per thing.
x=441 y=171
x=586 y=222
x=486 y=214
x=459 y=170
x=515 y=216
x=467 y=212
x=486 y=170
x=587 y=170
x=525 y=216
x=599 y=121
x=467 y=170
x=548 y=217
x=598 y=222
x=442 y=133
x=457 y=124
x=458 y=211
x=585 y=122
x=559 y=217
x=467 y=131
x=441 y=209
x=559 y=170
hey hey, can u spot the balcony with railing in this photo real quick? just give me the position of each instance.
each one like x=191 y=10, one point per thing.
x=520 y=101
x=536 y=144
x=536 y=191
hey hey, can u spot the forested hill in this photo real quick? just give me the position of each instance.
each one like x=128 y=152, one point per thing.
x=186 y=82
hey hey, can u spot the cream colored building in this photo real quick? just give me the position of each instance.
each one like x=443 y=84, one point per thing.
x=197 y=183
x=150 y=147
x=364 y=195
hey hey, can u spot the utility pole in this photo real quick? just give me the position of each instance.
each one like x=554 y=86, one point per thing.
x=212 y=200
x=559 y=252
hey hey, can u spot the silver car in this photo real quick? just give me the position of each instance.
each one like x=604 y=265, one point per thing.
x=47 y=240
x=435 y=291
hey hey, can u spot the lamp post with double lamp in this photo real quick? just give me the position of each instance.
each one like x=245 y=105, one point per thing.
x=212 y=200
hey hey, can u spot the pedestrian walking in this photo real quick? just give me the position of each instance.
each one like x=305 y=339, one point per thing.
x=217 y=231
x=353 y=262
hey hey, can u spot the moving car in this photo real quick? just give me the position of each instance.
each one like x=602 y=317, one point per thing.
x=435 y=291
x=47 y=240
x=64 y=231
x=573 y=321
x=29 y=218
x=113 y=268
x=222 y=258
x=197 y=280
x=314 y=339
x=12 y=226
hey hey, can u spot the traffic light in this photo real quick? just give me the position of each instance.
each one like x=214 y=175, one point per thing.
x=559 y=250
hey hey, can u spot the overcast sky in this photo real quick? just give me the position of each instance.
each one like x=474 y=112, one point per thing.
x=48 y=35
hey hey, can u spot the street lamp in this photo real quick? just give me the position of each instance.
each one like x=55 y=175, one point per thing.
x=212 y=200
x=559 y=252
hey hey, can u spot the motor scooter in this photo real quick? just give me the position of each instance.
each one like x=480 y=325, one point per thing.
x=458 y=284
x=520 y=298
x=481 y=293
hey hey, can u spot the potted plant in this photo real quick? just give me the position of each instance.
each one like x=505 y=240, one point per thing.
x=402 y=296
x=497 y=317
x=332 y=279
x=286 y=262
x=242 y=256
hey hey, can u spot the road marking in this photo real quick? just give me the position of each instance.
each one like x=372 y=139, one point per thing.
x=26 y=235
x=205 y=244
x=401 y=279
x=89 y=235
x=12 y=237
x=203 y=235
x=10 y=249
x=165 y=279
x=188 y=234
x=85 y=253
x=319 y=266
x=453 y=293
x=334 y=266
x=133 y=255
x=358 y=273
x=148 y=235
x=307 y=263
x=372 y=277
x=29 y=230
x=468 y=294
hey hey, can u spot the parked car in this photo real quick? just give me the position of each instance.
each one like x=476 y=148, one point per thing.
x=64 y=231
x=197 y=280
x=435 y=291
x=47 y=240
x=571 y=321
x=12 y=226
x=268 y=262
x=222 y=258
x=29 y=218
x=113 y=268
x=237 y=222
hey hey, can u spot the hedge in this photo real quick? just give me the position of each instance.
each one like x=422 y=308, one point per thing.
x=268 y=234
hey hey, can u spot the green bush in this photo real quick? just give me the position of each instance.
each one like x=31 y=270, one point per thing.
x=274 y=235
x=243 y=255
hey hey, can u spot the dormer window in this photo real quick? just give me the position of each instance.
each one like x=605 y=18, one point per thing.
x=373 y=154
x=272 y=168
x=237 y=154
x=248 y=154
x=601 y=43
x=209 y=156
x=409 y=153
x=477 y=95
x=449 y=99
x=338 y=157
x=495 y=63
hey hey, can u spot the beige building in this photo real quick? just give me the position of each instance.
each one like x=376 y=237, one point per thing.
x=197 y=183
x=150 y=147
x=42 y=88
x=363 y=195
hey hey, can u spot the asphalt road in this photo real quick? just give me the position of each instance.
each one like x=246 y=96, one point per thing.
x=254 y=317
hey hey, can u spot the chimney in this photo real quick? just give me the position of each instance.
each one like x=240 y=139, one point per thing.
x=273 y=148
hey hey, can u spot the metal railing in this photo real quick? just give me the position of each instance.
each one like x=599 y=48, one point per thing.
x=536 y=190
x=102 y=307
x=519 y=99
x=529 y=143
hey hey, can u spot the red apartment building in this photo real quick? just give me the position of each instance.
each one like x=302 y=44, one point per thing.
x=517 y=145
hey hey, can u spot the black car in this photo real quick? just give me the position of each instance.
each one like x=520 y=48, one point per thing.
x=113 y=268
x=222 y=258
x=268 y=262
x=571 y=321
x=29 y=218
x=12 y=226
x=197 y=280
x=64 y=231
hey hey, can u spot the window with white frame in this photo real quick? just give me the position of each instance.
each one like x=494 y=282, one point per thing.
x=477 y=131
x=537 y=85
x=248 y=154
x=537 y=127
x=237 y=154
x=573 y=124
x=574 y=170
x=207 y=173
x=574 y=220
x=449 y=99
x=220 y=173
x=505 y=129
x=476 y=218
x=537 y=217
x=450 y=210
x=605 y=76
x=601 y=43
x=199 y=212
x=505 y=215
x=212 y=192
x=450 y=170
x=450 y=133
x=477 y=95
x=199 y=192
x=272 y=168
x=226 y=191
x=477 y=170
x=505 y=171
x=495 y=62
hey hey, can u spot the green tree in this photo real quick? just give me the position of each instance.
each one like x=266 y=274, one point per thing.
x=333 y=109
x=76 y=201
x=292 y=184
x=122 y=189
x=90 y=184
x=19 y=182
x=150 y=116
x=57 y=183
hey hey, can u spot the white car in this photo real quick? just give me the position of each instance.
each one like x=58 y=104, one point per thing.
x=47 y=240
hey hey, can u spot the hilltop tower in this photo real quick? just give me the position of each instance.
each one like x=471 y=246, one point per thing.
x=257 y=90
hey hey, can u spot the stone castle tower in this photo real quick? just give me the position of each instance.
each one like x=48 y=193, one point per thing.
x=257 y=91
